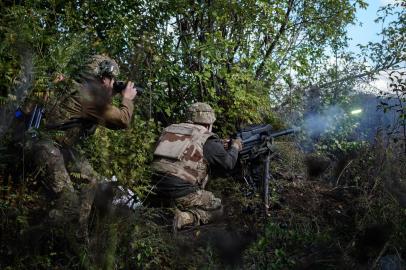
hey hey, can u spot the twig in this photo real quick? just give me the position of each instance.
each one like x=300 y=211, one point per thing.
x=341 y=173
x=385 y=247
x=347 y=187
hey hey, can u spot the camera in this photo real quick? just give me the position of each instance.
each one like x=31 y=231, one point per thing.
x=119 y=86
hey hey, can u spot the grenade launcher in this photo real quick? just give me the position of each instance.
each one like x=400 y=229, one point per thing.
x=258 y=149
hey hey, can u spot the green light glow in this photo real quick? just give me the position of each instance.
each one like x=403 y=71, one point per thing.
x=357 y=111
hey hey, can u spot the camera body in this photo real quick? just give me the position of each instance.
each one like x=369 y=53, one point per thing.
x=119 y=86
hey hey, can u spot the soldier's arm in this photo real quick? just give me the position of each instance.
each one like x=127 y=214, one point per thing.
x=118 y=117
x=217 y=156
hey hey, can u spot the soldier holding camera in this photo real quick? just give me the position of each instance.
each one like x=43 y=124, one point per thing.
x=74 y=113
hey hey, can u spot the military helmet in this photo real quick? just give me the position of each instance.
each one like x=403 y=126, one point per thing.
x=101 y=65
x=201 y=113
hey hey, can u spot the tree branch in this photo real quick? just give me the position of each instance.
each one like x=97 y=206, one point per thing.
x=352 y=77
x=281 y=31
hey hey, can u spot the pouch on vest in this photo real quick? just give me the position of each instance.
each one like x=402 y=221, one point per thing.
x=174 y=142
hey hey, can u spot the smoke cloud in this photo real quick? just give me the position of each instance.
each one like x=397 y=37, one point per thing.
x=360 y=126
x=316 y=124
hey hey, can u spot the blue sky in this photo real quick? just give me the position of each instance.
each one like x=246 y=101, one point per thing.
x=369 y=29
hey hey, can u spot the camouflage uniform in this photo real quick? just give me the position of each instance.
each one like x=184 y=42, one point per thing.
x=181 y=167
x=202 y=204
x=73 y=115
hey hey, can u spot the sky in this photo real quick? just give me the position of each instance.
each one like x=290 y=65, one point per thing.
x=368 y=31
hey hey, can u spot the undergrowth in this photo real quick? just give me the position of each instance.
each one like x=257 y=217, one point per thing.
x=313 y=224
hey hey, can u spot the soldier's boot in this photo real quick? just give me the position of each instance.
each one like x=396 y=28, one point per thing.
x=182 y=219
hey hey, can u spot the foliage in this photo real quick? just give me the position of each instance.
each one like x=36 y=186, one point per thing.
x=124 y=154
x=242 y=57
x=334 y=129
x=311 y=223
x=276 y=246
x=229 y=54
x=341 y=139
x=356 y=223
x=379 y=175
x=142 y=245
x=389 y=53
x=395 y=102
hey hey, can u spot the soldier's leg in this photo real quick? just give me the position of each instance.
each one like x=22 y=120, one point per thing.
x=48 y=156
x=80 y=168
x=86 y=198
x=196 y=208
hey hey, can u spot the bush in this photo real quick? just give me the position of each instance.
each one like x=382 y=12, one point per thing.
x=124 y=154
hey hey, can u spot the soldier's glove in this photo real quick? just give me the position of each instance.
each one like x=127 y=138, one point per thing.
x=237 y=143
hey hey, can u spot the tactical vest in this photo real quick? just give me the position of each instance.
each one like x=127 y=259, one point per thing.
x=180 y=153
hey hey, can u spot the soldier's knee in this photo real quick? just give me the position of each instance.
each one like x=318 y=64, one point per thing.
x=60 y=181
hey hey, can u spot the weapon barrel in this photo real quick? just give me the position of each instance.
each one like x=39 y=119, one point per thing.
x=254 y=138
x=285 y=132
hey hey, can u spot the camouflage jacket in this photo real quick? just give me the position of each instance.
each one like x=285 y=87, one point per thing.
x=78 y=107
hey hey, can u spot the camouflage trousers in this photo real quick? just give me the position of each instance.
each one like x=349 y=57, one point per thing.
x=202 y=204
x=65 y=173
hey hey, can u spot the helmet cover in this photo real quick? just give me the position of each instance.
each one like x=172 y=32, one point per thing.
x=201 y=113
x=101 y=66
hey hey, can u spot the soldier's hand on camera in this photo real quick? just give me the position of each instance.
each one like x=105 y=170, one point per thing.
x=237 y=143
x=130 y=91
